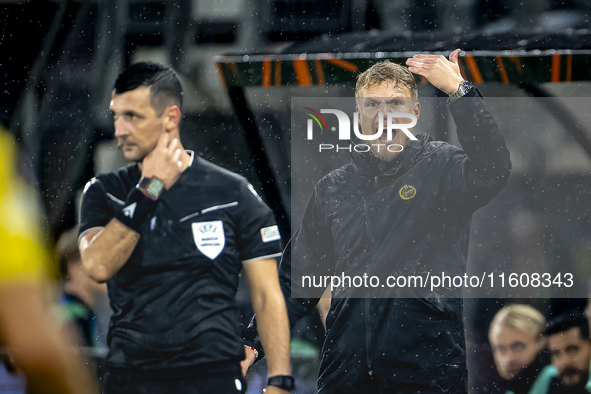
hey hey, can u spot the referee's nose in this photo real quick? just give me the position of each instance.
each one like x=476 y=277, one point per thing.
x=121 y=128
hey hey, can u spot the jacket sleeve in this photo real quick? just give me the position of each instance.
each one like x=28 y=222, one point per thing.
x=309 y=253
x=300 y=300
x=472 y=177
x=311 y=256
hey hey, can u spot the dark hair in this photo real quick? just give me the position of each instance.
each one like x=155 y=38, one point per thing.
x=566 y=321
x=165 y=87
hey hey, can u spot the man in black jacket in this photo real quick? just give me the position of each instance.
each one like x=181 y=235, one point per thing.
x=397 y=214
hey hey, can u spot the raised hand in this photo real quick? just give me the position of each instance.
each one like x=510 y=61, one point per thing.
x=442 y=73
x=164 y=161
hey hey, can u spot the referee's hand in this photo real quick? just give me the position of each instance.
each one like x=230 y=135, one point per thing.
x=248 y=360
x=164 y=161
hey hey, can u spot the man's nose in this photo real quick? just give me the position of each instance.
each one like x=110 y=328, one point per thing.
x=508 y=359
x=384 y=108
x=561 y=364
x=120 y=128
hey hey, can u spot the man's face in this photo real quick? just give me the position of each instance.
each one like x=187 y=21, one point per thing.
x=137 y=128
x=384 y=98
x=570 y=355
x=513 y=349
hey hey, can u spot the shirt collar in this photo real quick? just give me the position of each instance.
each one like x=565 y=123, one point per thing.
x=192 y=156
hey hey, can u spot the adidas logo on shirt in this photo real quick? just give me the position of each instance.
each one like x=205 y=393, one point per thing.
x=129 y=210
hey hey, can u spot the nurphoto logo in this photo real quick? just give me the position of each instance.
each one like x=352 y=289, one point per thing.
x=344 y=129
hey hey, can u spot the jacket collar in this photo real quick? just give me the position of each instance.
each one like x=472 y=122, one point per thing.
x=366 y=164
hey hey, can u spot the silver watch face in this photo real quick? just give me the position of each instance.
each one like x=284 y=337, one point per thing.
x=155 y=187
x=465 y=87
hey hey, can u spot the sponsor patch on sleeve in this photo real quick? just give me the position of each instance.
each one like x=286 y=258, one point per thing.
x=269 y=234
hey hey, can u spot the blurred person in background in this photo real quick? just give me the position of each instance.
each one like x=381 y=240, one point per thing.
x=85 y=304
x=570 y=349
x=170 y=235
x=26 y=327
x=588 y=316
x=518 y=346
x=11 y=378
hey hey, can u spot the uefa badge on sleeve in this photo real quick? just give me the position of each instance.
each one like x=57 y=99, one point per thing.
x=209 y=237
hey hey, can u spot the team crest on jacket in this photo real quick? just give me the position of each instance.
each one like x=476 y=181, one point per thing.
x=407 y=192
x=209 y=237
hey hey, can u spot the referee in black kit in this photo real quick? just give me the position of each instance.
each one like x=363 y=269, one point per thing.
x=170 y=234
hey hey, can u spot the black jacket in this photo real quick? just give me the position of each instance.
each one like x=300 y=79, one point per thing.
x=408 y=217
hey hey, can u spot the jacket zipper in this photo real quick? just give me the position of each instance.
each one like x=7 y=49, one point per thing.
x=368 y=337
x=366 y=211
x=367 y=300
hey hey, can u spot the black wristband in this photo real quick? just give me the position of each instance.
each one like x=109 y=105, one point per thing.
x=137 y=209
x=251 y=338
x=285 y=382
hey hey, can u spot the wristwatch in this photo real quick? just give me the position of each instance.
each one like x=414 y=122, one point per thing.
x=285 y=382
x=464 y=88
x=151 y=187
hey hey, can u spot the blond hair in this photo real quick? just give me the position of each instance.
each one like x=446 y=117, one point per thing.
x=519 y=316
x=386 y=71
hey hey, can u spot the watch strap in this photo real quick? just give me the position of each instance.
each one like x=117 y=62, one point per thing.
x=464 y=88
x=285 y=382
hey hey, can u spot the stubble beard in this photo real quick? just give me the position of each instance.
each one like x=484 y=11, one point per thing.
x=381 y=151
x=574 y=372
x=121 y=143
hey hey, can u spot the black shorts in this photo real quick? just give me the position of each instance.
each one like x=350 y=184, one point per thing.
x=223 y=382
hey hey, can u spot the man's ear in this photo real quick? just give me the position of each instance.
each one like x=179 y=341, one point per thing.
x=416 y=110
x=172 y=118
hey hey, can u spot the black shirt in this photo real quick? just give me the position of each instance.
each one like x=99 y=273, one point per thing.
x=173 y=300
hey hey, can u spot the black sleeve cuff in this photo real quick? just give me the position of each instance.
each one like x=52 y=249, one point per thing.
x=138 y=208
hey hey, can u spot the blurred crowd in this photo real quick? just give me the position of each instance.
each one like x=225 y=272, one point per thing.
x=535 y=355
x=489 y=17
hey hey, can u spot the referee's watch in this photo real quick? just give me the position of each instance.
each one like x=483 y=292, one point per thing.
x=285 y=382
x=151 y=187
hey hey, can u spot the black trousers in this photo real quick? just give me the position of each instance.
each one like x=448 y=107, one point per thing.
x=219 y=383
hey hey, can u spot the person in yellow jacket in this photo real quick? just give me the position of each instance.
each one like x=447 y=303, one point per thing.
x=25 y=325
